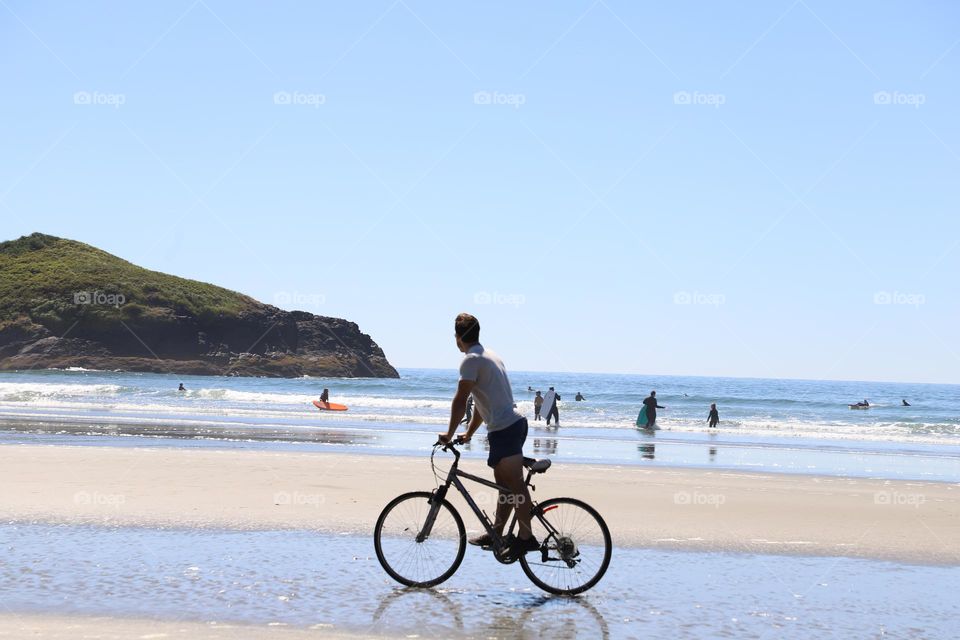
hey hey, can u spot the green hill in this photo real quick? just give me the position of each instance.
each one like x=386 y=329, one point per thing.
x=65 y=303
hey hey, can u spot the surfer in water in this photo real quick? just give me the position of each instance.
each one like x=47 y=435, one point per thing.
x=483 y=376
x=325 y=396
x=650 y=402
x=714 y=418
x=579 y=397
x=905 y=403
x=537 y=405
x=554 y=409
x=181 y=387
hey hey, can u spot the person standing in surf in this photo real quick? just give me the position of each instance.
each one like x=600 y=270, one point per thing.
x=469 y=414
x=714 y=418
x=483 y=375
x=537 y=405
x=554 y=411
x=650 y=402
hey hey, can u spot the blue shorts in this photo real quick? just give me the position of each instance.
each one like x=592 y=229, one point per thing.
x=507 y=442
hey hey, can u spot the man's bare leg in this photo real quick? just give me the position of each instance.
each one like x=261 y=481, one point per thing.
x=509 y=473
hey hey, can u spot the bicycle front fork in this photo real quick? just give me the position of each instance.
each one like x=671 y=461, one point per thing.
x=436 y=500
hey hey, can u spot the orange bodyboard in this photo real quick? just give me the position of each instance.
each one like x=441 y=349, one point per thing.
x=329 y=406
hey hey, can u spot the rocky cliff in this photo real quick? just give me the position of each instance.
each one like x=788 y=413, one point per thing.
x=67 y=304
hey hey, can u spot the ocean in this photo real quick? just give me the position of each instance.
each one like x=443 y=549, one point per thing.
x=794 y=426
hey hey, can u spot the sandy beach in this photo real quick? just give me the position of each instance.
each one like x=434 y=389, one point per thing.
x=652 y=508
x=55 y=627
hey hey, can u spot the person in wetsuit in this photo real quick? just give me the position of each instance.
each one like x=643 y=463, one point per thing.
x=650 y=402
x=714 y=418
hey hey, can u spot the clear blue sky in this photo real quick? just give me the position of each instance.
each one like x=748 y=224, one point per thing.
x=574 y=205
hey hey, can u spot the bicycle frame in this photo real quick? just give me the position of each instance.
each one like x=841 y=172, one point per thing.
x=454 y=476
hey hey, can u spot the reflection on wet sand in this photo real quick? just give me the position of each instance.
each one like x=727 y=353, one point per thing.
x=544 y=447
x=534 y=616
x=408 y=605
x=647 y=449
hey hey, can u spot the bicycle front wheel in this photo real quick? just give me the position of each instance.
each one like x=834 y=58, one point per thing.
x=575 y=547
x=410 y=554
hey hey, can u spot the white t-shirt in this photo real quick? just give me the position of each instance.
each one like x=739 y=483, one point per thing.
x=491 y=393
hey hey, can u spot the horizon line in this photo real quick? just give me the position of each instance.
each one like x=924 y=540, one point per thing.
x=677 y=375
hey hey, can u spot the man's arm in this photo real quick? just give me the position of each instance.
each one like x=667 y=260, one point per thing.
x=458 y=408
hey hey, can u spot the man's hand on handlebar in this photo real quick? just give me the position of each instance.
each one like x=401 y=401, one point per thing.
x=445 y=439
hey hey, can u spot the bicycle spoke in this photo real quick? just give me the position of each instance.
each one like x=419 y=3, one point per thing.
x=425 y=562
x=578 y=547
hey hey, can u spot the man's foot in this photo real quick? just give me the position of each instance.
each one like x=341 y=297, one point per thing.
x=484 y=541
x=520 y=546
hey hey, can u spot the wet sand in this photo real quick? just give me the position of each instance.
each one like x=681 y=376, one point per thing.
x=52 y=627
x=268 y=583
x=655 y=508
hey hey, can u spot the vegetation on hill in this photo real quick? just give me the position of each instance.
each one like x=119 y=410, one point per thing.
x=66 y=303
x=44 y=278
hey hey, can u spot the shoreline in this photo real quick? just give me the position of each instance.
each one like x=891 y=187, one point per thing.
x=654 y=507
x=668 y=450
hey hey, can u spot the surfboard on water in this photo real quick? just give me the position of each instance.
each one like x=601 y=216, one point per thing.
x=329 y=406
x=549 y=399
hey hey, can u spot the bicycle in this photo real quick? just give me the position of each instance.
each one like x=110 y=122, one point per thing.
x=420 y=539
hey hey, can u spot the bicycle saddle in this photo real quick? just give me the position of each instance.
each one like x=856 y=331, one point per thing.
x=537 y=466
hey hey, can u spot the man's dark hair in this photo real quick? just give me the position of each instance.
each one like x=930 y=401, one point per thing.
x=467 y=328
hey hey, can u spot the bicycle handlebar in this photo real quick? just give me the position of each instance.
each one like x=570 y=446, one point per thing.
x=450 y=446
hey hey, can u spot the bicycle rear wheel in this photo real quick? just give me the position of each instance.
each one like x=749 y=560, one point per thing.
x=411 y=558
x=576 y=547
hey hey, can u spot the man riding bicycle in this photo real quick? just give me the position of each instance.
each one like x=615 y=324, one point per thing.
x=483 y=375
